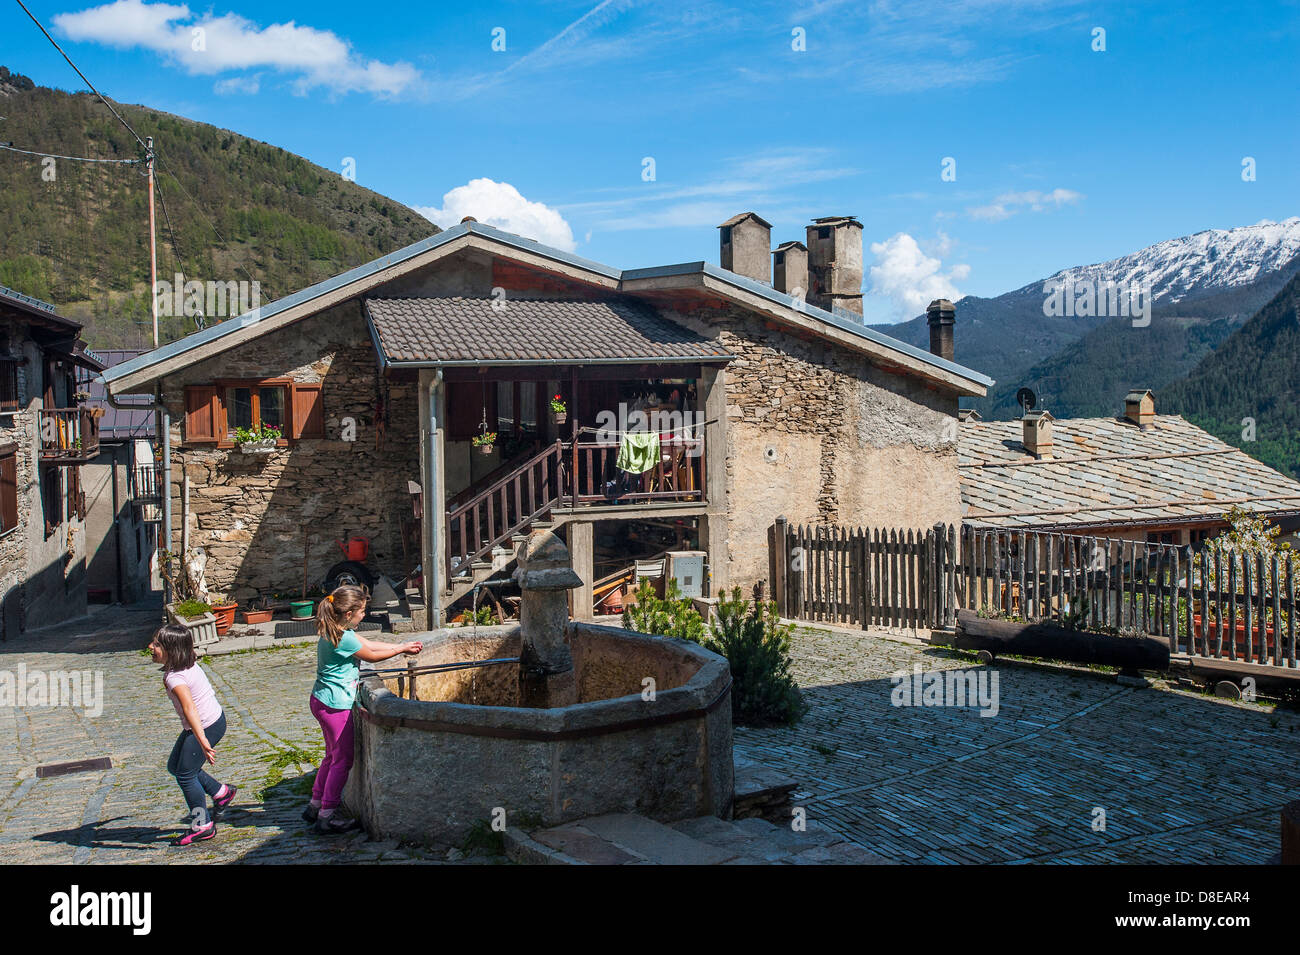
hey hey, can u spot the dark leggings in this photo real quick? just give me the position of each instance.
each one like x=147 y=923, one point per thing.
x=186 y=764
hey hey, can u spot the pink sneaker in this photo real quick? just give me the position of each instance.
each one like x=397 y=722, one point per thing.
x=196 y=835
x=227 y=799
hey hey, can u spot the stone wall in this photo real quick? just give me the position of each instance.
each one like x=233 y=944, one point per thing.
x=818 y=434
x=256 y=515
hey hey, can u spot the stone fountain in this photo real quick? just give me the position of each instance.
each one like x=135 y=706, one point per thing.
x=591 y=719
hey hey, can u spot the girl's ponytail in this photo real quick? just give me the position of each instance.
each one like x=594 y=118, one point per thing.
x=333 y=611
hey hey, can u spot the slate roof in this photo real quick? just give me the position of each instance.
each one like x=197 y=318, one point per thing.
x=1108 y=471
x=530 y=331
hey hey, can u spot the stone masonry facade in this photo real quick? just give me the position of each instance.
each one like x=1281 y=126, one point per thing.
x=256 y=515
x=818 y=434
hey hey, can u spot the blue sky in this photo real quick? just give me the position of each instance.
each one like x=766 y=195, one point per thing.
x=1064 y=154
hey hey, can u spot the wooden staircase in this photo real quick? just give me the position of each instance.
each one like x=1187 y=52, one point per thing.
x=485 y=529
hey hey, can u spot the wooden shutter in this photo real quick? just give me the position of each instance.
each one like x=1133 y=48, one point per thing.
x=8 y=491
x=76 y=497
x=307 y=417
x=201 y=421
x=52 y=499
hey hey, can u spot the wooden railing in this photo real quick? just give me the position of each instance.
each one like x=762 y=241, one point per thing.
x=146 y=484
x=69 y=434
x=678 y=474
x=503 y=508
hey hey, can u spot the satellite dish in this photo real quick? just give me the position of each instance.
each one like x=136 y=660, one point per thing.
x=1026 y=399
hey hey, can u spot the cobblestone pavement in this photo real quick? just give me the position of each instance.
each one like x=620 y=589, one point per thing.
x=1182 y=777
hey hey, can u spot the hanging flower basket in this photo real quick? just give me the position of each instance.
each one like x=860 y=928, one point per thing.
x=559 y=410
x=484 y=441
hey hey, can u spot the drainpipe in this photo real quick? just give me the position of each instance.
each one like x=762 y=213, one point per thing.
x=163 y=427
x=433 y=560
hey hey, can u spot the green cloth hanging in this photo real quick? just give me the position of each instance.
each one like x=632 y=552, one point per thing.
x=638 y=452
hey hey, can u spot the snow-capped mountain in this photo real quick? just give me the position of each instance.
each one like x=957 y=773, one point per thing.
x=1209 y=261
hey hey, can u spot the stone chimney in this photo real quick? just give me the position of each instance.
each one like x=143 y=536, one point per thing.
x=746 y=246
x=835 y=263
x=790 y=268
x=941 y=315
x=1036 y=430
x=1140 y=408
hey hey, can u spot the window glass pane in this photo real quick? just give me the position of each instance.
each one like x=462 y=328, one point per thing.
x=528 y=406
x=271 y=411
x=505 y=407
x=239 y=408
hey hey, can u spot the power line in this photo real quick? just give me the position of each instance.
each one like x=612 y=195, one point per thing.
x=83 y=76
x=31 y=152
x=198 y=207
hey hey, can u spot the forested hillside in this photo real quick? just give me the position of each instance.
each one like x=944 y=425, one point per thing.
x=76 y=234
x=1254 y=374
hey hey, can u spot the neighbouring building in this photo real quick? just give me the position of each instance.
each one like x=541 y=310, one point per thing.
x=1137 y=476
x=381 y=379
x=123 y=495
x=46 y=435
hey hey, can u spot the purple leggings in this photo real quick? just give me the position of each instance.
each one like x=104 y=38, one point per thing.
x=333 y=773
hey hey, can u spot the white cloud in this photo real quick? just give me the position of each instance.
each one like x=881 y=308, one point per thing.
x=206 y=44
x=238 y=84
x=1010 y=203
x=909 y=278
x=501 y=204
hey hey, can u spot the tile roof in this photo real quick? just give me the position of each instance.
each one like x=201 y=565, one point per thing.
x=446 y=330
x=1108 y=471
x=198 y=345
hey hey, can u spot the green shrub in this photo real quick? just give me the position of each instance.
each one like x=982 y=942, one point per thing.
x=757 y=645
x=192 y=608
x=674 y=616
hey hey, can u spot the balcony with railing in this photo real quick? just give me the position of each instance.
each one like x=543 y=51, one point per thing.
x=69 y=435
x=146 y=484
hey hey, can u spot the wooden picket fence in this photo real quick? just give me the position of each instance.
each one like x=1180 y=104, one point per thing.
x=892 y=577
x=918 y=578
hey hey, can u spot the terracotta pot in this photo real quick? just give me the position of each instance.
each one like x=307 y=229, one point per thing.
x=225 y=614
x=1212 y=631
x=257 y=616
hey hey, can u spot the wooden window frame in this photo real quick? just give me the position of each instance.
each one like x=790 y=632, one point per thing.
x=224 y=438
x=221 y=420
x=9 y=498
x=9 y=377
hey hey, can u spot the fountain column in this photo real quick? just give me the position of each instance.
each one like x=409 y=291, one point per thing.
x=546 y=675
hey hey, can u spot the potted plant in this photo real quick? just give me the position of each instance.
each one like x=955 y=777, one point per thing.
x=259 y=440
x=196 y=617
x=301 y=609
x=257 y=613
x=484 y=441
x=224 y=612
x=559 y=411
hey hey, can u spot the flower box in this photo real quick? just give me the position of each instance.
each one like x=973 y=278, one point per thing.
x=260 y=446
x=257 y=616
x=203 y=629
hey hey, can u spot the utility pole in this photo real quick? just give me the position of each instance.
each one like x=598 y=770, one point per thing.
x=153 y=246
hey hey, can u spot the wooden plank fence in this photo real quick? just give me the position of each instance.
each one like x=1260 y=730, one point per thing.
x=1207 y=603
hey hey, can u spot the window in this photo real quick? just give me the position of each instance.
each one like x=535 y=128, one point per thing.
x=8 y=488
x=52 y=499
x=8 y=385
x=76 y=498
x=213 y=412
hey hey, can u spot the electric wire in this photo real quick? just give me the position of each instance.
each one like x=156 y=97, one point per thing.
x=31 y=152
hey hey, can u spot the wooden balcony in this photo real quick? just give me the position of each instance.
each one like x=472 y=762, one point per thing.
x=146 y=484
x=69 y=435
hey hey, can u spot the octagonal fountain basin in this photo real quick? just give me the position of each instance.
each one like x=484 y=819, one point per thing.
x=463 y=750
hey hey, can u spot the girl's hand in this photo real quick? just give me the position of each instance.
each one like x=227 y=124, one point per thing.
x=412 y=648
x=208 y=751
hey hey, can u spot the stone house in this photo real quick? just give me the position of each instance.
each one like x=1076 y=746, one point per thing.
x=1137 y=476
x=45 y=437
x=382 y=379
x=123 y=495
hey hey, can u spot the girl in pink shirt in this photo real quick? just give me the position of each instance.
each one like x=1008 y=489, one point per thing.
x=203 y=724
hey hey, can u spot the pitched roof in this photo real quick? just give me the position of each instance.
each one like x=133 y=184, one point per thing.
x=1108 y=471
x=139 y=373
x=117 y=422
x=486 y=331
x=741 y=217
